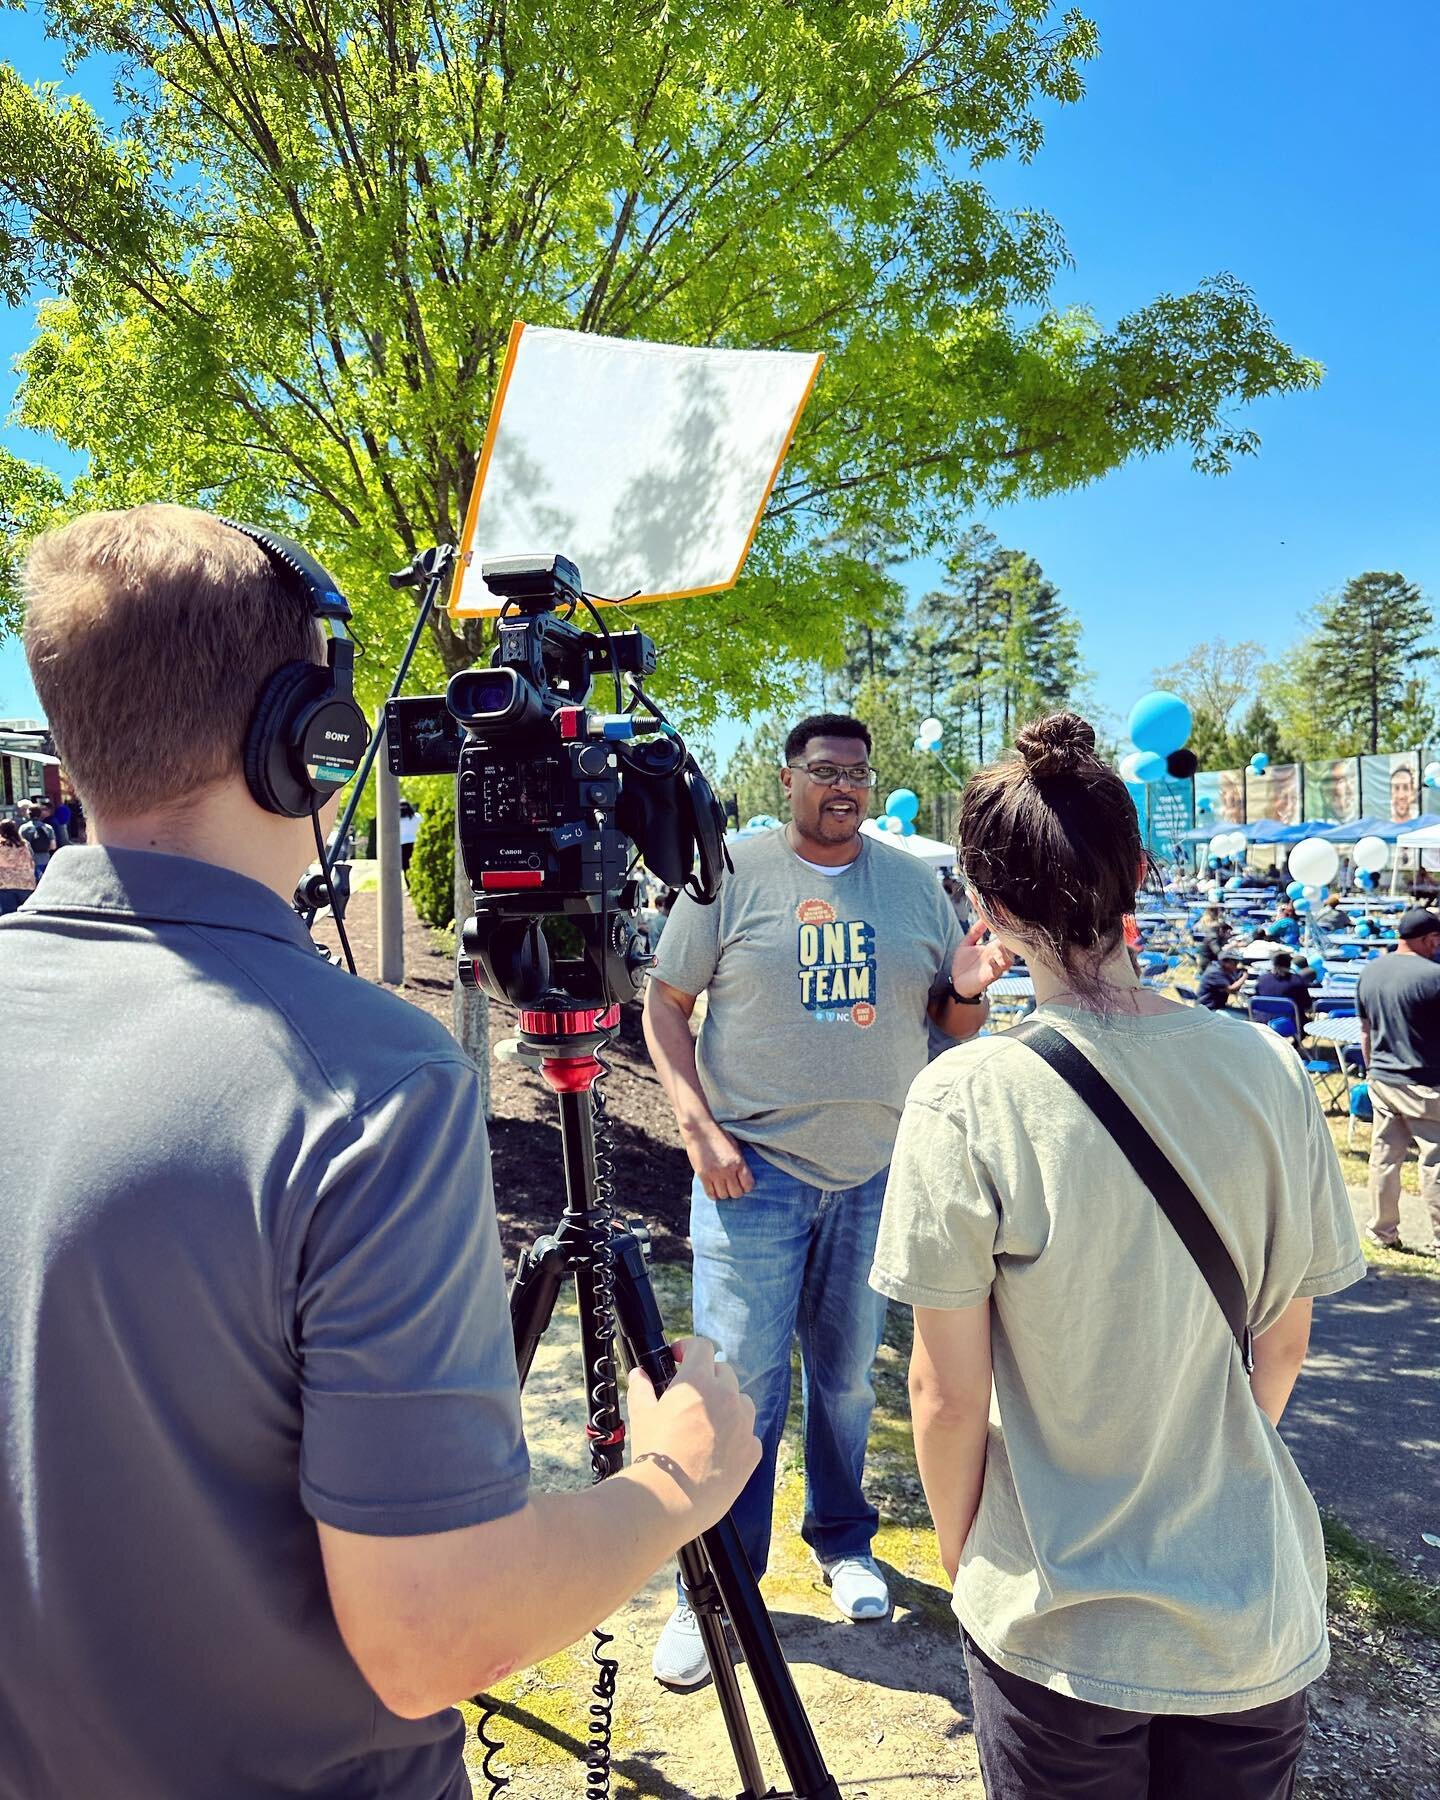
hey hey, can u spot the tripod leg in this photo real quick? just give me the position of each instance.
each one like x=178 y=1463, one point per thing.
x=540 y=1273
x=643 y=1333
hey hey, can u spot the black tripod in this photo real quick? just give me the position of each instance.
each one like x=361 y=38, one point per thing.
x=614 y=1292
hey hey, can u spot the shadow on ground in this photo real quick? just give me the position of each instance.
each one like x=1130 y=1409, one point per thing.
x=1364 y=1422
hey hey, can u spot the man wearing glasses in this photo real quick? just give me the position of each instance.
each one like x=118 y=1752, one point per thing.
x=821 y=962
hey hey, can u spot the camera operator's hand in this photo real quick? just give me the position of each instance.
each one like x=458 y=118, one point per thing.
x=701 y=1431
x=717 y=1159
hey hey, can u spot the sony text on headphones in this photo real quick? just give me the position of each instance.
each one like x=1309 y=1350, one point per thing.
x=306 y=735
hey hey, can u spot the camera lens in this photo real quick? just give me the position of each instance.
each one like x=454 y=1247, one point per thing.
x=481 y=696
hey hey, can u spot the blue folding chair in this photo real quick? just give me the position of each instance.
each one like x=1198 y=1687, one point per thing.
x=1362 y=1111
x=1283 y=1017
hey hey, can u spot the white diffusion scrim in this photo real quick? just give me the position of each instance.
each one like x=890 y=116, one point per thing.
x=648 y=465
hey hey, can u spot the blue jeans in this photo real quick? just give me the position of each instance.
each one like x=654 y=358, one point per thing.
x=783 y=1258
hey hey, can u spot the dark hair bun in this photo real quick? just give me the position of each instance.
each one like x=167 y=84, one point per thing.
x=1061 y=744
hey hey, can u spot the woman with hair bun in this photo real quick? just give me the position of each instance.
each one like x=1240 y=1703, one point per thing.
x=1138 y=1566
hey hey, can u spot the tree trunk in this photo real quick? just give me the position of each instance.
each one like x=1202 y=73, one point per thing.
x=470 y=1010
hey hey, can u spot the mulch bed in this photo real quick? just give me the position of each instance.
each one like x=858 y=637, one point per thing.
x=652 y=1170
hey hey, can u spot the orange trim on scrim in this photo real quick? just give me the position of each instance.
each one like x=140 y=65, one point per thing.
x=491 y=609
x=482 y=468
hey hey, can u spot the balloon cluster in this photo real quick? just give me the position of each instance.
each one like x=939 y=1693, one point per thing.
x=1159 y=729
x=1259 y=763
x=929 y=736
x=1432 y=775
x=1225 y=845
x=900 y=810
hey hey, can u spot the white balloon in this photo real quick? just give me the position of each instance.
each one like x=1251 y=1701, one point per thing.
x=932 y=730
x=1219 y=845
x=891 y=823
x=1127 y=765
x=1237 y=843
x=1372 y=853
x=1314 y=862
x=1432 y=769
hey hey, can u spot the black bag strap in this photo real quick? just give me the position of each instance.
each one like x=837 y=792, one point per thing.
x=1172 y=1192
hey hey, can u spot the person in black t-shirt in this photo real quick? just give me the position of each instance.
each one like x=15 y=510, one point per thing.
x=1398 y=999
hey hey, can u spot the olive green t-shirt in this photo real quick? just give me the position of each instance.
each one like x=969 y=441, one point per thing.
x=1144 y=1539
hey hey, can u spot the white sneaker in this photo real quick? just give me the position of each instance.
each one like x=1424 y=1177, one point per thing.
x=680 y=1661
x=857 y=1587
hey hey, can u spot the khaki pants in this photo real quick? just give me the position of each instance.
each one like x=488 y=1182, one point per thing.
x=1405 y=1114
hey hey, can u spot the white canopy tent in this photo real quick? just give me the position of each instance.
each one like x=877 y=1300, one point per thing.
x=930 y=850
x=1424 y=837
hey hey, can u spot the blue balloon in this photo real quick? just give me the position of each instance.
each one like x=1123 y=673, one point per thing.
x=1149 y=767
x=1303 y=906
x=1159 y=723
x=1259 y=762
x=1205 y=804
x=1214 y=862
x=1363 y=929
x=1234 y=882
x=908 y=829
x=1295 y=889
x=902 y=804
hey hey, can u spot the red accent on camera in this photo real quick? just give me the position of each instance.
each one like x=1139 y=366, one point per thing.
x=490 y=879
x=605 y=1441
x=571 y=1074
x=569 y=717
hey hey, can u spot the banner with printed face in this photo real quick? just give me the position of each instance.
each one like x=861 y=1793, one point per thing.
x=1225 y=790
x=1332 y=790
x=1274 y=794
x=1390 y=786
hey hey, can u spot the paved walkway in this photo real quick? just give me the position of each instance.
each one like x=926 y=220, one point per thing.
x=1364 y=1423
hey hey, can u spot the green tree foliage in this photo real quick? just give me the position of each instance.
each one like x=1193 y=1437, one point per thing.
x=1260 y=732
x=284 y=280
x=1362 y=665
x=1007 y=648
x=432 y=862
x=27 y=497
x=753 y=772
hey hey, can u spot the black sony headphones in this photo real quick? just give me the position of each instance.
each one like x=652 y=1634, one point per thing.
x=306 y=735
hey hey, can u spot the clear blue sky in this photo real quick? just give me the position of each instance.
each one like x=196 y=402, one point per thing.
x=1294 y=145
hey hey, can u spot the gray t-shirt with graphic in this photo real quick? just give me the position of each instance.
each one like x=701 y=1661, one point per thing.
x=816 y=990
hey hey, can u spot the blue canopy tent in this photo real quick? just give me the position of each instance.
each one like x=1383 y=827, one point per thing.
x=1388 y=830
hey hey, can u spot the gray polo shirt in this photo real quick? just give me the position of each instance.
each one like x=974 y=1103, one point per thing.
x=249 y=1278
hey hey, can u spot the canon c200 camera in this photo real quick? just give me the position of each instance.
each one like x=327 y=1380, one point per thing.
x=554 y=800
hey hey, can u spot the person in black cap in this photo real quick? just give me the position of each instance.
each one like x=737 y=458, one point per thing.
x=1398 y=1000
x=1222 y=979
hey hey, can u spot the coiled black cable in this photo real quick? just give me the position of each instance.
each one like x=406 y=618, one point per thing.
x=602 y=1376
x=494 y=1746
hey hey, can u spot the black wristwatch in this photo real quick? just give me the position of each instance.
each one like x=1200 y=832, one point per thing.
x=961 y=999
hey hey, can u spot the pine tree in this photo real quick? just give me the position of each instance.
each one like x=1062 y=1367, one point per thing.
x=1259 y=731
x=1361 y=657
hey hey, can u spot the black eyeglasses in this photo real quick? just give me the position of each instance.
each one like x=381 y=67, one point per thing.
x=823 y=774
